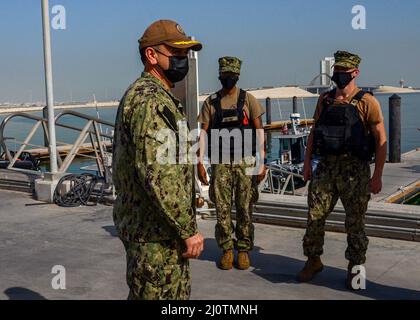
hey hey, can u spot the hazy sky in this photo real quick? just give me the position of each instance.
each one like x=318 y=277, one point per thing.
x=280 y=42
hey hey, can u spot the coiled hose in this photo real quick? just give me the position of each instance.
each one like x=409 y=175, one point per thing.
x=82 y=188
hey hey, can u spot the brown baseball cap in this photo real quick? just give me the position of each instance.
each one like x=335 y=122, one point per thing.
x=170 y=33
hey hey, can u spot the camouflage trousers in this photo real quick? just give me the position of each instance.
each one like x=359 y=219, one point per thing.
x=157 y=271
x=339 y=177
x=228 y=180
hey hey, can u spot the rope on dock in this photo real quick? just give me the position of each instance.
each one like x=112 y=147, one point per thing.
x=81 y=190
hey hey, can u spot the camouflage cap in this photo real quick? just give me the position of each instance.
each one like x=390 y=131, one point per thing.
x=347 y=60
x=230 y=64
x=170 y=33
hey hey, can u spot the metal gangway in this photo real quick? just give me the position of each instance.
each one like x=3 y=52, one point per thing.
x=100 y=141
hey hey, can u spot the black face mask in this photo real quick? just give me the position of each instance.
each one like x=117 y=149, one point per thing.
x=229 y=82
x=178 y=69
x=342 y=79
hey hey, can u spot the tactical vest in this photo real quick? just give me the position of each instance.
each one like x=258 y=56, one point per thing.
x=340 y=130
x=232 y=119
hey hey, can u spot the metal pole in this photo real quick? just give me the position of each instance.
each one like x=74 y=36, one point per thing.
x=192 y=91
x=49 y=85
x=45 y=116
x=268 y=109
x=269 y=139
x=395 y=129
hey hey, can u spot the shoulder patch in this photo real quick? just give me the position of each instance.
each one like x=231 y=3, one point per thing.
x=147 y=88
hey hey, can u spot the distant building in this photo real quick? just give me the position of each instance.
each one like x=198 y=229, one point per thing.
x=326 y=69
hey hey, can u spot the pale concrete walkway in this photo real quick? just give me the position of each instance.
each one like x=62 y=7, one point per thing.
x=399 y=175
x=34 y=237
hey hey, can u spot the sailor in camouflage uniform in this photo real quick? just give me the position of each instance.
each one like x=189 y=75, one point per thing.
x=154 y=213
x=349 y=129
x=232 y=108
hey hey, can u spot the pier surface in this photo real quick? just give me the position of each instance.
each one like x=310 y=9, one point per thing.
x=34 y=237
x=399 y=175
x=85 y=148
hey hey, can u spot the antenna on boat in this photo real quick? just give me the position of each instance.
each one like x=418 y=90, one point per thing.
x=97 y=111
x=278 y=105
x=304 y=114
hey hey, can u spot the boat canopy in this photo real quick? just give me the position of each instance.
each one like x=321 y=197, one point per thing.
x=276 y=93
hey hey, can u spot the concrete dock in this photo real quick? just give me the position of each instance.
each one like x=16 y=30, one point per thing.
x=34 y=237
x=398 y=178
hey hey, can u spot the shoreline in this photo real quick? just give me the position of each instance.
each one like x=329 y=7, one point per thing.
x=7 y=110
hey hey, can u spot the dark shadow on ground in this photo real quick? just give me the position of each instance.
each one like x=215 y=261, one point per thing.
x=111 y=230
x=415 y=169
x=18 y=293
x=282 y=269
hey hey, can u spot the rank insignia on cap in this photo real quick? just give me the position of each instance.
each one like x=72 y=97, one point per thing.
x=179 y=28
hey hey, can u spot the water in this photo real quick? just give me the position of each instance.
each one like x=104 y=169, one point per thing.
x=414 y=201
x=281 y=110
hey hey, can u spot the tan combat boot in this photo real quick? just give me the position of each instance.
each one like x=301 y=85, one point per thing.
x=226 y=262
x=243 y=260
x=311 y=268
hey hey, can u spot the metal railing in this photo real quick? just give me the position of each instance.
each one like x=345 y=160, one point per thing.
x=282 y=186
x=91 y=129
